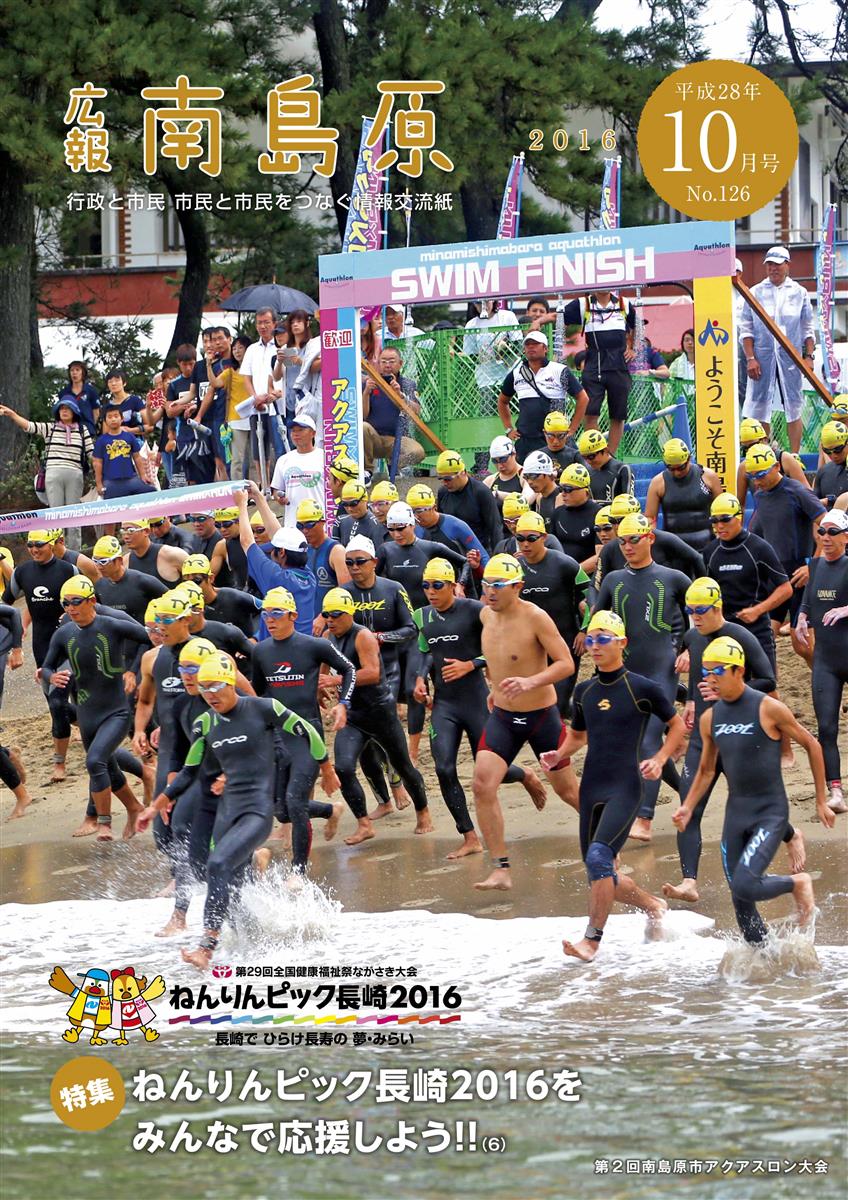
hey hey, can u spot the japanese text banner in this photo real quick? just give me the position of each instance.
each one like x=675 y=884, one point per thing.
x=342 y=418
x=363 y=229
x=824 y=275
x=716 y=413
x=510 y=217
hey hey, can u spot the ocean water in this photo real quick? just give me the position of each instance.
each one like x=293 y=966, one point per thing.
x=688 y=1045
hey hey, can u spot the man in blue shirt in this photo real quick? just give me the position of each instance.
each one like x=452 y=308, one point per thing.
x=382 y=417
x=284 y=564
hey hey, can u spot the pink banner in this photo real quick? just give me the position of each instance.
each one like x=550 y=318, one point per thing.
x=824 y=275
x=510 y=217
x=363 y=229
x=611 y=194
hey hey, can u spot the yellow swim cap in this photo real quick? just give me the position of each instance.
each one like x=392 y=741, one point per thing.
x=6 y=556
x=624 y=505
x=308 y=510
x=555 y=422
x=439 y=569
x=675 y=452
x=576 y=475
x=136 y=523
x=196 y=564
x=344 y=468
x=193 y=593
x=724 y=650
x=107 y=549
x=226 y=514
x=256 y=519
x=449 y=463
x=703 y=591
x=750 y=431
x=173 y=604
x=602 y=518
x=530 y=522
x=151 y=611
x=605 y=621
x=839 y=408
x=196 y=651
x=353 y=491
x=78 y=587
x=39 y=537
x=591 y=441
x=759 y=458
x=218 y=668
x=514 y=505
x=726 y=505
x=633 y=524
x=503 y=567
x=834 y=434
x=279 y=597
x=385 y=492
x=420 y=496
x=338 y=600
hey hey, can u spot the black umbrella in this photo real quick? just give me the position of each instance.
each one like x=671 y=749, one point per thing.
x=268 y=295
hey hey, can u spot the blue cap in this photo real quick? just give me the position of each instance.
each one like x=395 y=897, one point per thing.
x=94 y=973
x=66 y=402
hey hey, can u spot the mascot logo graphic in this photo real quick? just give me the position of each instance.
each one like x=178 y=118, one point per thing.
x=105 y=1000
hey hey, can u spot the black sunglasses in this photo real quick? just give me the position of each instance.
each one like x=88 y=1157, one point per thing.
x=308 y=524
x=435 y=585
x=723 y=520
x=225 y=524
x=334 y=615
x=357 y=562
x=529 y=537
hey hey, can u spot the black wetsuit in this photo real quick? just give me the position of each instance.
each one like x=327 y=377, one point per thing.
x=828 y=588
x=831 y=481
x=406 y=564
x=760 y=675
x=148 y=563
x=237 y=565
x=228 y=638
x=192 y=819
x=747 y=570
x=652 y=603
x=201 y=545
x=558 y=586
x=11 y=638
x=575 y=528
x=545 y=506
x=475 y=505
x=757 y=812
x=615 y=709
x=131 y=593
x=668 y=550
x=234 y=606
x=458 y=707
x=686 y=506
x=784 y=517
x=95 y=656
x=372 y=716
x=241 y=744
x=613 y=479
x=366 y=526
x=181 y=538
x=288 y=670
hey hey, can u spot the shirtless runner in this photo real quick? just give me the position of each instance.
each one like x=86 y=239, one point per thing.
x=517 y=635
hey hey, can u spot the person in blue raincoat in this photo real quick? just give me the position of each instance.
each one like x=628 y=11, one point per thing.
x=774 y=380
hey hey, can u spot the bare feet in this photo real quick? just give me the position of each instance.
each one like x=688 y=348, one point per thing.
x=331 y=826
x=584 y=949
x=471 y=845
x=382 y=810
x=401 y=797
x=198 y=958
x=148 y=779
x=640 y=830
x=787 y=757
x=535 y=789
x=423 y=824
x=167 y=890
x=17 y=762
x=804 y=897
x=282 y=833
x=655 y=910
x=129 y=827
x=687 y=890
x=295 y=882
x=797 y=851
x=104 y=833
x=176 y=924
x=22 y=802
x=261 y=860
x=88 y=827
x=500 y=880
x=58 y=772
x=363 y=833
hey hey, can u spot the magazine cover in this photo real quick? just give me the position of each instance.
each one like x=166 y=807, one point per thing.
x=424 y=625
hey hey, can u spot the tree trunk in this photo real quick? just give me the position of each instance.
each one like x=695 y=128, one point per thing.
x=481 y=207
x=17 y=233
x=36 y=356
x=328 y=23
x=195 y=284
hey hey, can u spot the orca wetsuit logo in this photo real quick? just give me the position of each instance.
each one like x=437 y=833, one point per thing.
x=230 y=741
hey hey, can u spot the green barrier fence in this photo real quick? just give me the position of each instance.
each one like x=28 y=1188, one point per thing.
x=459 y=401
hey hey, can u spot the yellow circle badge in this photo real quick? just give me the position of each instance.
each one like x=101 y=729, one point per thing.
x=87 y=1093
x=717 y=140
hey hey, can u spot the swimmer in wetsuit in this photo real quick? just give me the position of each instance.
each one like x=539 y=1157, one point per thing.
x=744 y=727
x=612 y=712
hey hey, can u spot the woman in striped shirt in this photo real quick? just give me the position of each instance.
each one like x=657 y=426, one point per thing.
x=67 y=450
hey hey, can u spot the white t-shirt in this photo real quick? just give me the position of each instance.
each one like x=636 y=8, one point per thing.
x=299 y=477
x=257 y=364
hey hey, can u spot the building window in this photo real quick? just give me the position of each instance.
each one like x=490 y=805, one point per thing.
x=172 y=235
x=81 y=237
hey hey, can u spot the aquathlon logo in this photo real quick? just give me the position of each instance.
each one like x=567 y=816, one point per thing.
x=114 y=1000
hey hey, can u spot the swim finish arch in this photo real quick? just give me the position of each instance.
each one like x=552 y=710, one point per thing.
x=614 y=259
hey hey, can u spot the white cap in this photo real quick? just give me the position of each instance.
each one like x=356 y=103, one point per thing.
x=289 y=539
x=738 y=266
x=539 y=463
x=777 y=254
x=501 y=447
x=302 y=418
x=835 y=519
x=395 y=308
x=358 y=542
x=399 y=514
x=536 y=336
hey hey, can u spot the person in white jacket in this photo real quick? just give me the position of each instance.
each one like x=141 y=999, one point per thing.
x=773 y=378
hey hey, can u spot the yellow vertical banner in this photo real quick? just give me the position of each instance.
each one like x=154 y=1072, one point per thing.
x=716 y=406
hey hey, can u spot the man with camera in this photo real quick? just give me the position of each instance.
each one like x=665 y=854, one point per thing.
x=382 y=417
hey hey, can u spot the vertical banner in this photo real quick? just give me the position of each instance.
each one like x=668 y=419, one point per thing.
x=342 y=399
x=716 y=407
x=364 y=227
x=824 y=276
x=510 y=217
x=611 y=194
